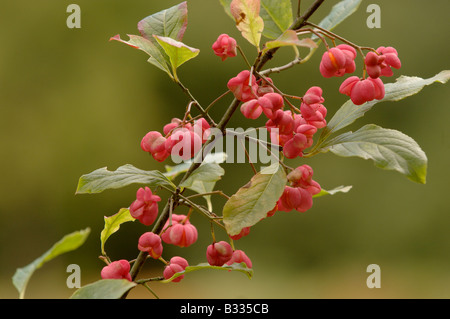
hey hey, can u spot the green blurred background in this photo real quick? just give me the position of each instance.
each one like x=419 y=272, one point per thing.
x=72 y=102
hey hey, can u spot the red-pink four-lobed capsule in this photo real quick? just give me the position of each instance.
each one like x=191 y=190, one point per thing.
x=119 y=269
x=225 y=47
x=151 y=243
x=176 y=264
x=145 y=207
x=182 y=233
x=219 y=253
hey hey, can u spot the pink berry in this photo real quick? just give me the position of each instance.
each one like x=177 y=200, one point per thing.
x=270 y=103
x=151 y=243
x=154 y=143
x=313 y=112
x=225 y=46
x=219 y=253
x=183 y=143
x=182 y=233
x=338 y=61
x=361 y=91
x=298 y=196
x=313 y=96
x=176 y=264
x=240 y=257
x=202 y=128
x=145 y=207
x=295 y=198
x=174 y=123
x=374 y=63
x=302 y=177
x=119 y=269
x=251 y=109
x=295 y=146
x=243 y=86
x=391 y=60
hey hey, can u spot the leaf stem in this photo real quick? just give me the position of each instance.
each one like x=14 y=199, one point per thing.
x=210 y=193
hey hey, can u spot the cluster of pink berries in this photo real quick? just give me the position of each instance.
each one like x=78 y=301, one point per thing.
x=180 y=138
x=178 y=231
x=299 y=194
x=340 y=60
x=292 y=131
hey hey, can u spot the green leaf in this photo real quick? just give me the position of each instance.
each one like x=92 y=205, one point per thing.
x=338 y=13
x=252 y=202
x=178 y=52
x=68 y=243
x=170 y=23
x=112 y=225
x=242 y=267
x=104 y=289
x=102 y=179
x=248 y=21
x=289 y=38
x=277 y=17
x=403 y=87
x=203 y=180
x=389 y=149
x=157 y=57
x=339 y=189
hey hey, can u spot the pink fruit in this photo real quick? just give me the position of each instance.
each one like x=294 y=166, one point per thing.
x=145 y=207
x=243 y=86
x=151 y=243
x=225 y=46
x=391 y=60
x=361 y=91
x=219 y=253
x=119 y=269
x=240 y=257
x=338 y=61
x=176 y=264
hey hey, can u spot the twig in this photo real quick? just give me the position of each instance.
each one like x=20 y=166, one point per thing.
x=297 y=24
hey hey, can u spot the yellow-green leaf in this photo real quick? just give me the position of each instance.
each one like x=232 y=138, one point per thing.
x=248 y=21
x=177 y=51
x=289 y=38
x=68 y=243
x=112 y=225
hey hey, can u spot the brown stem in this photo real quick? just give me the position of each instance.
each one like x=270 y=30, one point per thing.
x=297 y=24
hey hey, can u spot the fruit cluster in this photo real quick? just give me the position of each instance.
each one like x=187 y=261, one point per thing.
x=339 y=61
x=291 y=128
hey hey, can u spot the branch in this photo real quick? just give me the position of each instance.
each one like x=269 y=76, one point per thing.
x=297 y=24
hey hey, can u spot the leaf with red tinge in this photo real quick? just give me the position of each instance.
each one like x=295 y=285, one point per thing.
x=157 y=56
x=248 y=21
x=289 y=38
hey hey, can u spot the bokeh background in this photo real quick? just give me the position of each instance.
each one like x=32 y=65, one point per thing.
x=72 y=102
